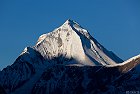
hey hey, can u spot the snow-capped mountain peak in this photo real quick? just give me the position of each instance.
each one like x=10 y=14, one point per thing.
x=69 y=60
x=67 y=26
x=75 y=26
x=70 y=22
x=70 y=39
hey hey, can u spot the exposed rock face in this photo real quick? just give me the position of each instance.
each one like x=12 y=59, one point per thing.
x=61 y=79
x=86 y=80
x=75 y=80
x=69 y=60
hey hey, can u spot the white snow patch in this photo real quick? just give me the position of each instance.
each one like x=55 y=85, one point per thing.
x=125 y=62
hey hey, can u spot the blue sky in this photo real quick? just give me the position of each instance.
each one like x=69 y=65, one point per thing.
x=114 y=23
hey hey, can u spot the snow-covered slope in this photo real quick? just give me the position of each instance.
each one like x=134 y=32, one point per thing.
x=72 y=41
x=68 y=58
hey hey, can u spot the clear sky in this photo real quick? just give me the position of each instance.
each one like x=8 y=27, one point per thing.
x=114 y=23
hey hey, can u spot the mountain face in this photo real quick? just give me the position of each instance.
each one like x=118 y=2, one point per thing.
x=69 y=60
x=70 y=39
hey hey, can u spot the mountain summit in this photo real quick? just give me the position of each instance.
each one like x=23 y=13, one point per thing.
x=72 y=41
x=69 y=60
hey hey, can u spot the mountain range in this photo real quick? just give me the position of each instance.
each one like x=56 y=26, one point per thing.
x=69 y=60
